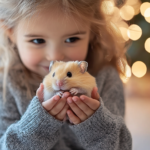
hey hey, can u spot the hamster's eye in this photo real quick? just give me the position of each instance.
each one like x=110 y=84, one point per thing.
x=53 y=74
x=69 y=74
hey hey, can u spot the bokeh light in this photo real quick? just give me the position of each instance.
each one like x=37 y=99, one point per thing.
x=147 y=45
x=147 y=19
x=134 y=32
x=136 y=8
x=127 y=12
x=107 y=7
x=139 y=69
x=124 y=33
x=147 y=12
x=132 y=2
x=128 y=71
x=144 y=6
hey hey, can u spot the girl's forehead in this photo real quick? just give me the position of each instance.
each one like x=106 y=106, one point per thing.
x=53 y=19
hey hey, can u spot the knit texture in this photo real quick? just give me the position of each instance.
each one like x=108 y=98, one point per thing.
x=26 y=125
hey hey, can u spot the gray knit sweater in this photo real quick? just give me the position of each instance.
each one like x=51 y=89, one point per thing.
x=26 y=125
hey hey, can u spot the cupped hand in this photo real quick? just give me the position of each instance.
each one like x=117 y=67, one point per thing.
x=56 y=106
x=82 y=107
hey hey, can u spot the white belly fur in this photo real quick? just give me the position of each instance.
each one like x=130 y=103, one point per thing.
x=48 y=94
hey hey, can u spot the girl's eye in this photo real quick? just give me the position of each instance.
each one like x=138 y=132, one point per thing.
x=72 y=40
x=38 y=41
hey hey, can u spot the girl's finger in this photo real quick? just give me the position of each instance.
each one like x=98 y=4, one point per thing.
x=95 y=94
x=59 y=106
x=39 y=92
x=92 y=103
x=85 y=108
x=74 y=119
x=62 y=114
x=76 y=109
x=49 y=104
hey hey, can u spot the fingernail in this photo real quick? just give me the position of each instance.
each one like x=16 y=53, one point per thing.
x=69 y=100
x=65 y=95
x=96 y=89
x=74 y=99
x=82 y=98
x=56 y=98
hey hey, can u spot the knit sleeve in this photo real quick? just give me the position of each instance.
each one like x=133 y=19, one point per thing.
x=106 y=129
x=36 y=129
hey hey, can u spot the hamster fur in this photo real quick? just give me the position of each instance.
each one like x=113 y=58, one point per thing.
x=69 y=76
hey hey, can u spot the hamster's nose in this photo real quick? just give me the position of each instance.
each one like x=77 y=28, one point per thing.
x=59 y=83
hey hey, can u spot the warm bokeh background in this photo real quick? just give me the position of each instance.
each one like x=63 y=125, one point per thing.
x=133 y=22
x=136 y=32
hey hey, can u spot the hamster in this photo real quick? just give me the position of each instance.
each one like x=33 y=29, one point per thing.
x=69 y=76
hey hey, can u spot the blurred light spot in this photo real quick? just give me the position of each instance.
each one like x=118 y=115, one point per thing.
x=143 y=7
x=124 y=33
x=147 y=12
x=136 y=8
x=134 y=32
x=147 y=45
x=132 y=2
x=139 y=69
x=107 y=7
x=127 y=12
x=128 y=71
x=124 y=79
x=115 y=17
x=147 y=19
x=123 y=24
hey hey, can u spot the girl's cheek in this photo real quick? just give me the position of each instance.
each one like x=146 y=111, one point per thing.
x=79 y=53
x=30 y=57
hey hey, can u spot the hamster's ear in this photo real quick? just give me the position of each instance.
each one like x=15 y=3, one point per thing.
x=51 y=64
x=83 y=66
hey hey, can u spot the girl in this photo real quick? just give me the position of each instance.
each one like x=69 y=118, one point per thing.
x=33 y=33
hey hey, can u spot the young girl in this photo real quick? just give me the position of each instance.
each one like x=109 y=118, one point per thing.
x=34 y=33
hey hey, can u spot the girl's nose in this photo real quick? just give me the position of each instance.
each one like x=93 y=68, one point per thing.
x=54 y=55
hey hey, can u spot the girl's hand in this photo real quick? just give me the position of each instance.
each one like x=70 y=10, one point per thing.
x=82 y=108
x=56 y=106
x=39 y=92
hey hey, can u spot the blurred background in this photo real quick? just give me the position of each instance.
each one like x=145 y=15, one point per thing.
x=132 y=21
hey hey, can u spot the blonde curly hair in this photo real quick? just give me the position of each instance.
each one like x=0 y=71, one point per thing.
x=105 y=47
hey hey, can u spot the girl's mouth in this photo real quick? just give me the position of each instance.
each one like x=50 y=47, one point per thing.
x=46 y=68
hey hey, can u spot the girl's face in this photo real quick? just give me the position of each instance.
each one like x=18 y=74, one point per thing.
x=50 y=35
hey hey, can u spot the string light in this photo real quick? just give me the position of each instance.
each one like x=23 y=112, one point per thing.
x=134 y=32
x=143 y=7
x=147 y=12
x=128 y=71
x=124 y=33
x=139 y=69
x=147 y=19
x=132 y=2
x=136 y=8
x=107 y=7
x=147 y=45
x=127 y=12
x=135 y=4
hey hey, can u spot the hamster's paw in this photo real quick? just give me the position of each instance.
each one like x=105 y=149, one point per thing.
x=60 y=93
x=74 y=91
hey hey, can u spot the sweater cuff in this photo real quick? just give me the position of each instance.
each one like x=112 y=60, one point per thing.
x=102 y=123
x=37 y=119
